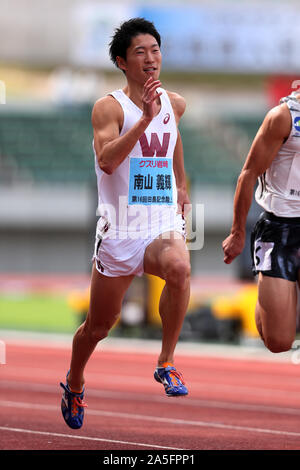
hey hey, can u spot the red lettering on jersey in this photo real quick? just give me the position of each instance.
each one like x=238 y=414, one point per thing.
x=155 y=145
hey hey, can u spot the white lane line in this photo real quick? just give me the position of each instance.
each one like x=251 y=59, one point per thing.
x=86 y=438
x=156 y=419
x=113 y=395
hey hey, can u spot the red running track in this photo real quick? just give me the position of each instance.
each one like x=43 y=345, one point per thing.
x=234 y=402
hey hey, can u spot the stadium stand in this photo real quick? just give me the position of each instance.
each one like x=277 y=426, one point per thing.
x=54 y=145
x=206 y=160
x=247 y=124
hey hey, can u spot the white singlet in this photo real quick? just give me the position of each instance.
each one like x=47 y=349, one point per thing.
x=279 y=187
x=138 y=201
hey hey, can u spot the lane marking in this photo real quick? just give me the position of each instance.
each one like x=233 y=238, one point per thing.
x=157 y=419
x=86 y=438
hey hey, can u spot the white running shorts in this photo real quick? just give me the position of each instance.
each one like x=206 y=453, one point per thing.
x=116 y=256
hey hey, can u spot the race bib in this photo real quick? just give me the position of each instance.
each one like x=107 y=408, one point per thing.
x=262 y=255
x=150 y=181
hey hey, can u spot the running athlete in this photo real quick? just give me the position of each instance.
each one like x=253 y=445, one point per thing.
x=274 y=158
x=142 y=193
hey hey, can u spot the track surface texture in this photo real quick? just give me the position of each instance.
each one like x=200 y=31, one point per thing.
x=238 y=399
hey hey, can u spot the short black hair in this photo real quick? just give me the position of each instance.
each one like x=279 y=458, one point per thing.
x=123 y=35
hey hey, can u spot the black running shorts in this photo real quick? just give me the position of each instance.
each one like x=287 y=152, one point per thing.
x=275 y=246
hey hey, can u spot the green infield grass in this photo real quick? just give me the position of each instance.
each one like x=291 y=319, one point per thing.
x=37 y=312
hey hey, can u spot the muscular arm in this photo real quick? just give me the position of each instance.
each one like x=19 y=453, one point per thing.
x=274 y=129
x=111 y=148
x=107 y=119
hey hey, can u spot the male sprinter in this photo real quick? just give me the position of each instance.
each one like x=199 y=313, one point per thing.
x=140 y=172
x=274 y=158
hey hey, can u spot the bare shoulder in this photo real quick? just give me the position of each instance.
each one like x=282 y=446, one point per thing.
x=278 y=120
x=105 y=110
x=178 y=104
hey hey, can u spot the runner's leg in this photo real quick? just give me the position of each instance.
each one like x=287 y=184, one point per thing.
x=276 y=312
x=168 y=258
x=106 y=298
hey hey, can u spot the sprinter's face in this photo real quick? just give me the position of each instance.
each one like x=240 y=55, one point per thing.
x=143 y=59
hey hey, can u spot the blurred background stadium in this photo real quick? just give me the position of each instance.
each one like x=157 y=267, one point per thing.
x=231 y=60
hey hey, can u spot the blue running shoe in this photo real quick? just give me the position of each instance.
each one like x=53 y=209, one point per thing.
x=72 y=406
x=171 y=380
